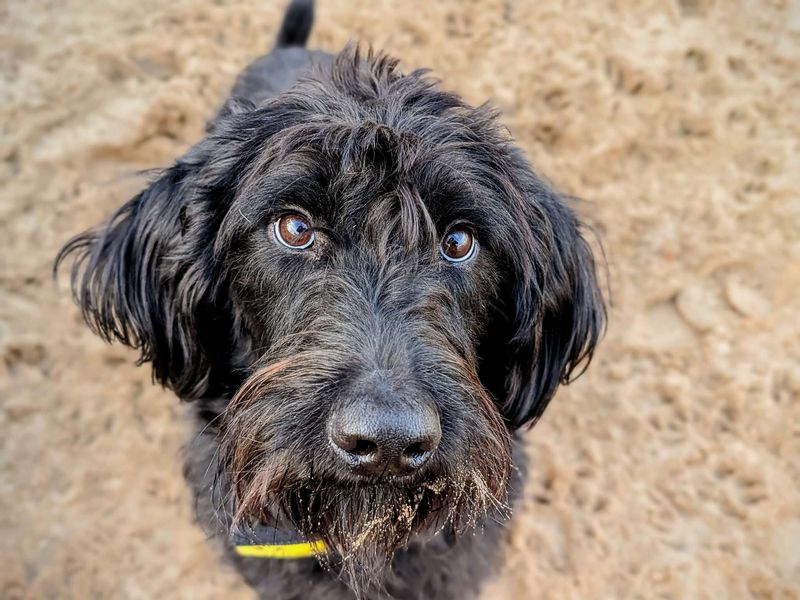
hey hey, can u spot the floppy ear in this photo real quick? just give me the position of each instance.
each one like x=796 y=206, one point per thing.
x=558 y=311
x=147 y=280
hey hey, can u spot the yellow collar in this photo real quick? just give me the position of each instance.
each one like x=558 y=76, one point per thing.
x=285 y=551
x=263 y=541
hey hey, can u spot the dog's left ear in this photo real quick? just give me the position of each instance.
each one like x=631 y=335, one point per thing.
x=556 y=307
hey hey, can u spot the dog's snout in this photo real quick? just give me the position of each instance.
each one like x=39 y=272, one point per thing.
x=378 y=438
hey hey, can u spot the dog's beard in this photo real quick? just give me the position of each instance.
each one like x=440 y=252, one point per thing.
x=363 y=524
x=278 y=479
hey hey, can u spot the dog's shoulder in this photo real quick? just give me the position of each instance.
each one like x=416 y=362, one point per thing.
x=277 y=71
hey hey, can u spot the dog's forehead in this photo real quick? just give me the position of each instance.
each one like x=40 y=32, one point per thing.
x=357 y=178
x=350 y=151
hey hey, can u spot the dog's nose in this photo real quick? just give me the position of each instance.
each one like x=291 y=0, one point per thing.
x=382 y=438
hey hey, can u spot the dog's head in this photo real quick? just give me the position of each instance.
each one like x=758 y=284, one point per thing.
x=373 y=275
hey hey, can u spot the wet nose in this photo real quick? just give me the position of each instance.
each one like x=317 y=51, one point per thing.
x=384 y=438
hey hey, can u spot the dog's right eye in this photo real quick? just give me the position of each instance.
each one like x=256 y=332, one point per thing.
x=294 y=231
x=458 y=245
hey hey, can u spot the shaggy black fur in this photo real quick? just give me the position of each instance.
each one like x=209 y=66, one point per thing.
x=269 y=342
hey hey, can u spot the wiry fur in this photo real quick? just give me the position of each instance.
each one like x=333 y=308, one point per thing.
x=268 y=342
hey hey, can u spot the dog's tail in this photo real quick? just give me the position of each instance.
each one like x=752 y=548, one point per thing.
x=297 y=22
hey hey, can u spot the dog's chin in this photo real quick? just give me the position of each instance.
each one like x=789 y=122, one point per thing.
x=364 y=523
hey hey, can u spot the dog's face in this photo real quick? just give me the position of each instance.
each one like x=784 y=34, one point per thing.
x=378 y=282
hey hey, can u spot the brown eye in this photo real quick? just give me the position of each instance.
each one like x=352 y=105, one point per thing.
x=458 y=244
x=294 y=231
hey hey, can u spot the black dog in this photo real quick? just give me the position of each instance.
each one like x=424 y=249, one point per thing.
x=364 y=290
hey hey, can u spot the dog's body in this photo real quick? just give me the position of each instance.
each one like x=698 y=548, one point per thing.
x=351 y=383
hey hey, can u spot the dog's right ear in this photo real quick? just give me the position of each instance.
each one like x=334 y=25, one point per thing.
x=143 y=280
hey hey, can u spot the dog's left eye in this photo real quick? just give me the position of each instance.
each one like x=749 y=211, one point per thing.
x=294 y=231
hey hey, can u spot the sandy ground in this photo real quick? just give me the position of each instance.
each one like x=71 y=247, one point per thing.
x=671 y=470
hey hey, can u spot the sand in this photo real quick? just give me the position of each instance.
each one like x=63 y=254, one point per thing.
x=670 y=470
